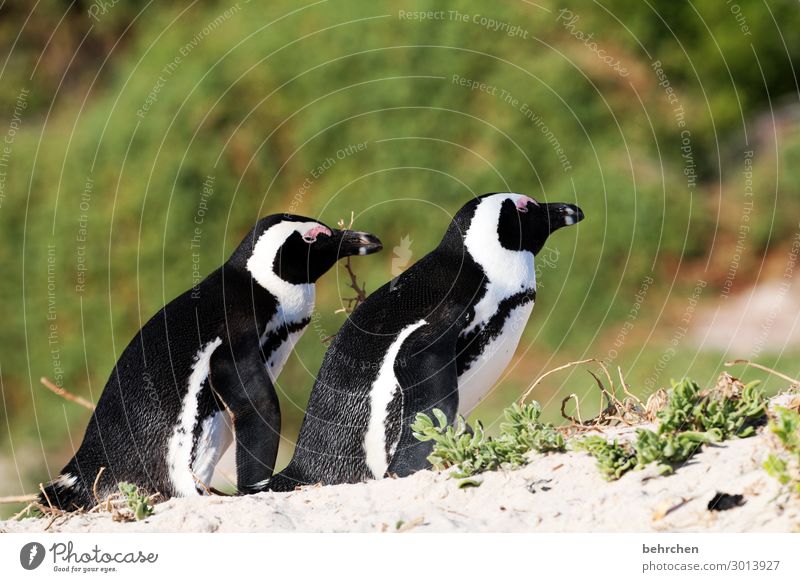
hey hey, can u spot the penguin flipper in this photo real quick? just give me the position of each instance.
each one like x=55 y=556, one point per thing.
x=428 y=377
x=240 y=379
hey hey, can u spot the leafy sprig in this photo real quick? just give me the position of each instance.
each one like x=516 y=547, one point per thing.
x=138 y=502
x=785 y=465
x=471 y=452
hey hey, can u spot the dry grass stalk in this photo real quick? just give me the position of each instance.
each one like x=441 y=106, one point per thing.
x=629 y=411
x=793 y=383
x=66 y=394
x=18 y=499
x=564 y=414
x=553 y=371
x=94 y=485
x=19 y=514
x=656 y=402
x=201 y=483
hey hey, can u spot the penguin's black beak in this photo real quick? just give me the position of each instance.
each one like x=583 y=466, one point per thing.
x=560 y=214
x=358 y=243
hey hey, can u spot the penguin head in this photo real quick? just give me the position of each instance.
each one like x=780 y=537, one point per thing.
x=525 y=224
x=516 y=221
x=298 y=250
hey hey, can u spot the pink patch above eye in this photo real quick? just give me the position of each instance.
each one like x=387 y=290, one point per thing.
x=311 y=235
x=522 y=203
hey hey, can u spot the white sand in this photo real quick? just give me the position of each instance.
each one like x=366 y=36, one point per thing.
x=554 y=493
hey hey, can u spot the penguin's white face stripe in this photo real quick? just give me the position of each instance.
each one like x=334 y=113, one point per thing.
x=179 y=452
x=293 y=298
x=381 y=394
x=296 y=302
x=507 y=272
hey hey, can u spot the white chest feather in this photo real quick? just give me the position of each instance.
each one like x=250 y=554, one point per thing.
x=289 y=316
x=476 y=381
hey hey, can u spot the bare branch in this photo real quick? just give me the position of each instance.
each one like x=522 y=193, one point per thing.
x=360 y=290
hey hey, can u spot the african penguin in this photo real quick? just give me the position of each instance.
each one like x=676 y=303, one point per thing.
x=204 y=362
x=438 y=336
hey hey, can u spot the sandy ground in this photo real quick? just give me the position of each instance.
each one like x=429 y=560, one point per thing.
x=554 y=493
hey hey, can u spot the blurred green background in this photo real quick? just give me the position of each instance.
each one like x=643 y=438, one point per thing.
x=674 y=125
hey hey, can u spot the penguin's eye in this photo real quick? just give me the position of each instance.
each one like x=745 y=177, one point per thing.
x=311 y=235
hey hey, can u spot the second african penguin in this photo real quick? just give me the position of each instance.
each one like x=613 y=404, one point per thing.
x=438 y=336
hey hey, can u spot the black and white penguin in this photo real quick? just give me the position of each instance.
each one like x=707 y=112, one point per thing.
x=204 y=362
x=438 y=336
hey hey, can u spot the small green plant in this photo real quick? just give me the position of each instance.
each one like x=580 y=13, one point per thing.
x=668 y=449
x=472 y=452
x=785 y=466
x=137 y=502
x=614 y=459
x=453 y=445
x=729 y=409
x=690 y=419
x=523 y=432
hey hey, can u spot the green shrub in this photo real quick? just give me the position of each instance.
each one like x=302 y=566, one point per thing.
x=473 y=453
x=690 y=419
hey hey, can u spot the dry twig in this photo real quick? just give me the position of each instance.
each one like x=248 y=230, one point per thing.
x=66 y=394
x=23 y=512
x=18 y=499
x=94 y=485
x=201 y=483
x=564 y=414
x=553 y=371
x=360 y=290
x=628 y=411
x=789 y=379
x=44 y=493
